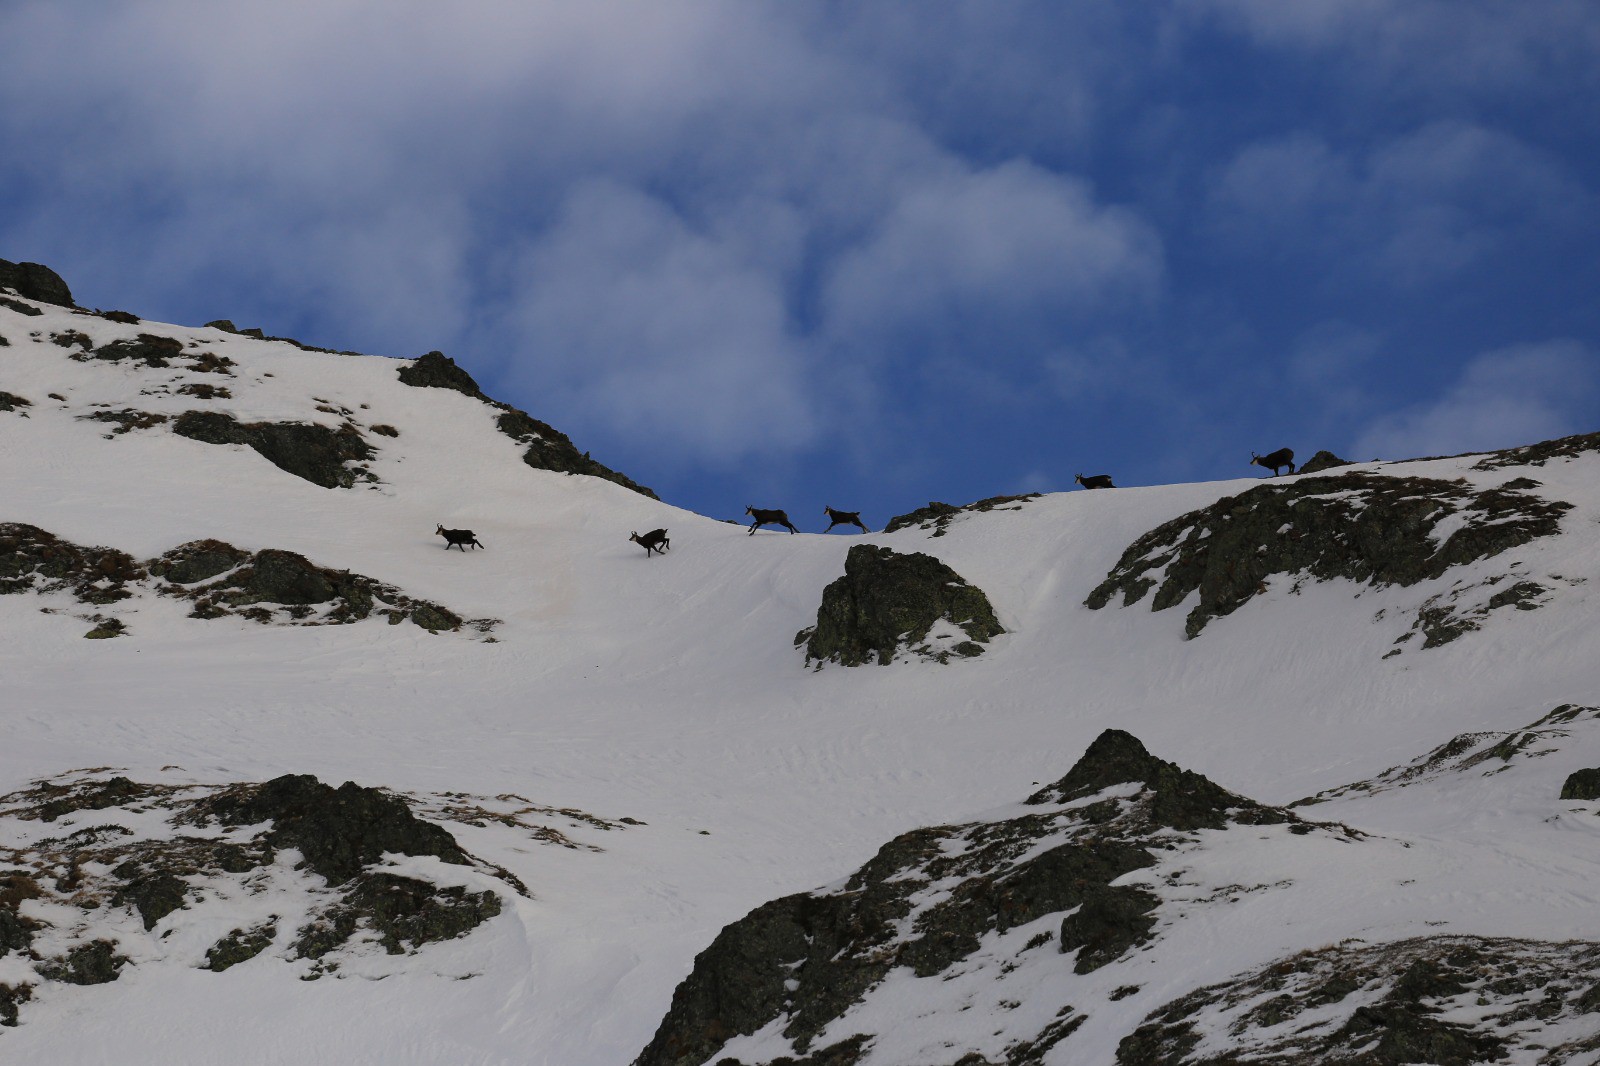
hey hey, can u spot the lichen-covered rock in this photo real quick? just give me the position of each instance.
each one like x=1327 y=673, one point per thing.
x=1582 y=785
x=888 y=602
x=94 y=963
x=932 y=898
x=338 y=831
x=35 y=281
x=402 y=912
x=32 y=559
x=1363 y=527
x=241 y=945
x=316 y=453
x=938 y=516
x=153 y=893
x=198 y=560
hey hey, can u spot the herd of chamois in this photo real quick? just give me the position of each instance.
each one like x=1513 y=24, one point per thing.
x=656 y=542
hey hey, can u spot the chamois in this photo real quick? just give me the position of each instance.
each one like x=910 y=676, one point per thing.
x=843 y=518
x=458 y=538
x=653 y=541
x=768 y=518
x=1095 y=481
x=1273 y=460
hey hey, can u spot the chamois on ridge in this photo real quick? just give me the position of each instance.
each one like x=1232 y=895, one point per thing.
x=1095 y=481
x=458 y=538
x=1273 y=460
x=653 y=541
x=768 y=518
x=843 y=518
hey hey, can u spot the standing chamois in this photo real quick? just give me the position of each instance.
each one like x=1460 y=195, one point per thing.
x=1095 y=481
x=843 y=518
x=458 y=538
x=653 y=541
x=1273 y=460
x=768 y=518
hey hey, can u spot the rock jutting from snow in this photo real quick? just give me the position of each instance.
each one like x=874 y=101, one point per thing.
x=1582 y=785
x=153 y=850
x=1323 y=460
x=35 y=281
x=931 y=898
x=938 y=516
x=10 y=401
x=316 y=453
x=889 y=603
x=1542 y=452
x=1368 y=528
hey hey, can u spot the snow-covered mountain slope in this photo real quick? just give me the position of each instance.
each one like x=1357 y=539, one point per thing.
x=640 y=744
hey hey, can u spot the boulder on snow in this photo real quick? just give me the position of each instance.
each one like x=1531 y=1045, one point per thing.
x=35 y=281
x=1323 y=460
x=436 y=370
x=887 y=602
x=1582 y=785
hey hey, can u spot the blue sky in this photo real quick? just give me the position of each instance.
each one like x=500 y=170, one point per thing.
x=864 y=254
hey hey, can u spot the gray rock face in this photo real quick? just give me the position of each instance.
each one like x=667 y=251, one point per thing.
x=929 y=899
x=1368 y=528
x=316 y=453
x=887 y=602
x=35 y=282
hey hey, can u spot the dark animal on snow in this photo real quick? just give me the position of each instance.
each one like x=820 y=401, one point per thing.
x=458 y=538
x=843 y=518
x=768 y=518
x=653 y=541
x=1095 y=481
x=1274 y=460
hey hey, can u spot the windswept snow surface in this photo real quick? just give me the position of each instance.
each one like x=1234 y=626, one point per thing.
x=668 y=690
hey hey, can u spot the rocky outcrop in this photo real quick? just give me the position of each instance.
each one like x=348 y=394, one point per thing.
x=929 y=900
x=1582 y=785
x=268 y=586
x=888 y=604
x=546 y=448
x=1386 y=1004
x=316 y=453
x=35 y=281
x=937 y=516
x=1541 y=453
x=1323 y=460
x=10 y=401
x=1368 y=528
x=152 y=851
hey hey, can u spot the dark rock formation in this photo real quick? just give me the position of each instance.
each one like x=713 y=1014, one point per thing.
x=1323 y=460
x=887 y=601
x=127 y=419
x=1379 y=1005
x=404 y=913
x=32 y=559
x=34 y=281
x=10 y=401
x=1582 y=785
x=11 y=997
x=550 y=449
x=928 y=899
x=241 y=945
x=338 y=831
x=147 y=348
x=20 y=308
x=1541 y=453
x=1364 y=527
x=438 y=371
x=94 y=963
x=199 y=560
x=153 y=893
x=939 y=515
x=316 y=453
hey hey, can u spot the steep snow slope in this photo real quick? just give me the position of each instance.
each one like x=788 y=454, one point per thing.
x=668 y=690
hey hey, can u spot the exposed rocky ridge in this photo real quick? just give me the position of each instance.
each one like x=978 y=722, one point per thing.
x=1323 y=460
x=1542 y=452
x=889 y=604
x=1485 y=753
x=937 y=516
x=320 y=455
x=1368 y=528
x=35 y=281
x=1447 y=1000
x=149 y=851
x=547 y=447
x=269 y=586
x=931 y=898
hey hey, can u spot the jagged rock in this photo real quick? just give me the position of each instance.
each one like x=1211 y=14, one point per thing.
x=931 y=898
x=94 y=963
x=316 y=453
x=939 y=515
x=1381 y=1005
x=887 y=601
x=154 y=894
x=402 y=911
x=11 y=997
x=1323 y=460
x=438 y=371
x=1542 y=452
x=337 y=831
x=19 y=307
x=32 y=559
x=198 y=560
x=1364 y=527
x=35 y=281
x=147 y=348
x=551 y=449
x=1582 y=785
x=10 y=401
x=240 y=946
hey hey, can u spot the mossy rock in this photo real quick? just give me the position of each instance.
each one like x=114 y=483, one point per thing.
x=12 y=997
x=1582 y=785
x=198 y=560
x=887 y=601
x=94 y=963
x=240 y=945
x=154 y=894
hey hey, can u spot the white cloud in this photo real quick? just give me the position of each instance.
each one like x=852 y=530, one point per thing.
x=1507 y=397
